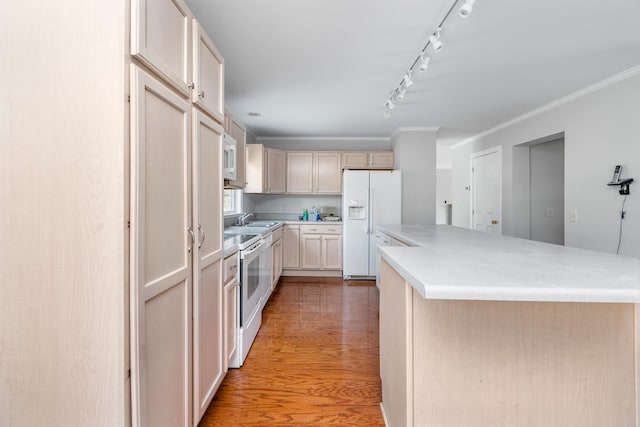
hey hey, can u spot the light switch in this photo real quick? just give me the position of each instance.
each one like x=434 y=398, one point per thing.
x=573 y=217
x=549 y=212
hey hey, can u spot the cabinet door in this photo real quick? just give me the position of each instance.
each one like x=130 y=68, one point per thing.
x=161 y=254
x=311 y=251
x=355 y=160
x=160 y=39
x=381 y=160
x=208 y=344
x=291 y=246
x=327 y=173
x=276 y=161
x=208 y=74
x=279 y=264
x=231 y=320
x=299 y=172
x=239 y=133
x=332 y=252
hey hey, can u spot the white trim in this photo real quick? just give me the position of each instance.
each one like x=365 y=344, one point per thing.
x=497 y=149
x=322 y=138
x=558 y=102
x=415 y=129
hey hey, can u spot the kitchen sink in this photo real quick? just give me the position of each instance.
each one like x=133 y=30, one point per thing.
x=261 y=224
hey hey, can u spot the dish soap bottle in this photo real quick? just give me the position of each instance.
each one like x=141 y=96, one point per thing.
x=305 y=215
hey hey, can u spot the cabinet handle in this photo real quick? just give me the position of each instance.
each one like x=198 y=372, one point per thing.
x=192 y=85
x=332 y=229
x=193 y=239
x=201 y=94
x=203 y=236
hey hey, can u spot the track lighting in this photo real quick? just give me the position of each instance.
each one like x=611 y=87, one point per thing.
x=400 y=93
x=434 y=40
x=424 y=62
x=406 y=80
x=467 y=8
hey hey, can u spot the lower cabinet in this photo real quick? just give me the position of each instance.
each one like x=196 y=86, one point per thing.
x=291 y=246
x=230 y=307
x=321 y=247
x=276 y=257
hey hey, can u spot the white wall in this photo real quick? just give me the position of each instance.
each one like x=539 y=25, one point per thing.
x=415 y=155
x=547 y=192
x=62 y=224
x=601 y=130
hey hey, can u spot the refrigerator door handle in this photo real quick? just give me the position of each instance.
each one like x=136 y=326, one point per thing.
x=367 y=208
x=371 y=231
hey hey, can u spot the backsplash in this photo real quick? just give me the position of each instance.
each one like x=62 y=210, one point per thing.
x=287 y=207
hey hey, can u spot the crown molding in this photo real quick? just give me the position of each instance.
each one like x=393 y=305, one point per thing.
x=616 y=78
x=322 y=138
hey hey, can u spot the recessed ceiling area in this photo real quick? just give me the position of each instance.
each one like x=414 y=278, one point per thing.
x=325 y=68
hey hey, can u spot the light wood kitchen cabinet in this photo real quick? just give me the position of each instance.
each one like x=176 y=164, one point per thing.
x=300 y=172
x=231 y=280
x=176 y=253
x=265 y=169
x=239 y=133
x=367 y=160
x=381 y=160
x=208 y=74
x=276 y=177
x=327 y=173
x=321 y=247
x=291 y=246
x=355 y=160
x=160 y=39
x=276 y=257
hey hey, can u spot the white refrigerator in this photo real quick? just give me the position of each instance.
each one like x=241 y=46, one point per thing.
x=369 y=198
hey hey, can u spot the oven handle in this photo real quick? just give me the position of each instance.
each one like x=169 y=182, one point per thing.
x=245 y=254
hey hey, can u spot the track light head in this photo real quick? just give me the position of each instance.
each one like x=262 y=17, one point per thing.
x=434 y=40
x=467 y=8
x=389 y=105
x=424 y=62
x=387 y=113
x=400 y=93
x=406 y=80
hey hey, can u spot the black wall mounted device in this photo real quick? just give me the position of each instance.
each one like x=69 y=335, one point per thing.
x=623 y=183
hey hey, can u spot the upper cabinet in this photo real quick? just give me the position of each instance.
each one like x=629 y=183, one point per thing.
x=160 y=39
x=265 y=170
x=299 y=172
x=208 y=75
x=327 y=173
x=367 y=160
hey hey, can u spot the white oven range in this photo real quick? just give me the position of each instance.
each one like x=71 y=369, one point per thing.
x=255 y=270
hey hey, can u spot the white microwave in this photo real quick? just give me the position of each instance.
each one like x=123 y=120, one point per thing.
x=229 y=158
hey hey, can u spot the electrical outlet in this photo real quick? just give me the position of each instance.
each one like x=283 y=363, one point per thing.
x=549 y=212
x=573 y=217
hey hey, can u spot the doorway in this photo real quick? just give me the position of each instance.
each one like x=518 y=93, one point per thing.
x=486 y=190
x=546 y=166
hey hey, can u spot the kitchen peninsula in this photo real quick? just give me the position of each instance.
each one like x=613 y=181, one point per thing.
x=482 y=330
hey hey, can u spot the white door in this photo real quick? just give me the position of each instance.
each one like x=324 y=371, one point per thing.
x=486 y=191
x=385 y=196
x=161 y=251
x=208 y=338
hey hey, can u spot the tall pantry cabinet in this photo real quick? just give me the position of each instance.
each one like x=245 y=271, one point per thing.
x=177 y=101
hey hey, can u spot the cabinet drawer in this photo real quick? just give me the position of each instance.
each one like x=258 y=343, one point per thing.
x=320 y=229
x=230 y=267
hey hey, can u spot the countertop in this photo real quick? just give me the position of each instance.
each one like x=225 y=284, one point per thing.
x=314 y=222
x=456 y=263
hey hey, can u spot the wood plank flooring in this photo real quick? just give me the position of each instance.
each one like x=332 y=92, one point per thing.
x=314 y=362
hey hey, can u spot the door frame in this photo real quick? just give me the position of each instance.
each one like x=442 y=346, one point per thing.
x=498 y=150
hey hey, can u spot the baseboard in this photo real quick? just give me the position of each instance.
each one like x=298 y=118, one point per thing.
x=384 y=416
x=312 y=273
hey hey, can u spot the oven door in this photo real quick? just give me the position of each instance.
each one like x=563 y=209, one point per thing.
x=251 y=280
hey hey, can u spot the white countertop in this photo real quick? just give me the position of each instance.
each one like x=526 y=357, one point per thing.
x=456 y=263
x=314 y=222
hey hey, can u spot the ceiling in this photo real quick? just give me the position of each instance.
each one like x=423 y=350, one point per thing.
x=325 y=68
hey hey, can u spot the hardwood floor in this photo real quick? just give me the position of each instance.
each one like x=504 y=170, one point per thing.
x=314 y=362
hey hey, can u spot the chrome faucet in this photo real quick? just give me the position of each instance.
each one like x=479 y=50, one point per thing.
x=243 y=218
